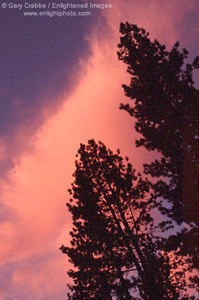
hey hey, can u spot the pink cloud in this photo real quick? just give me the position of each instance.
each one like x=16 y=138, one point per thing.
x=37 y=186
x=36 y=189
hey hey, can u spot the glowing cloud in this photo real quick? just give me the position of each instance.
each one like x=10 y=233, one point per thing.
x=36 y=190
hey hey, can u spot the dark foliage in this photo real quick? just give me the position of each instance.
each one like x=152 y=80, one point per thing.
x=166 y=109
x=115 y=249
x=118 y=248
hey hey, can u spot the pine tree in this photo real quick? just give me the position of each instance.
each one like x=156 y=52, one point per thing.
x=115 y=249
x=166 y=110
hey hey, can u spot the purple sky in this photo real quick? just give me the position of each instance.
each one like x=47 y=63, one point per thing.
x=60 y=84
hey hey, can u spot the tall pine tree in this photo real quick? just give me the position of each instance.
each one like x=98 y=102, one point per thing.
x=165 y=105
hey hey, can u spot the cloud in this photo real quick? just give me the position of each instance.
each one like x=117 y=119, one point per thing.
x=2 y=149
x=36 y=189
x=35 y=192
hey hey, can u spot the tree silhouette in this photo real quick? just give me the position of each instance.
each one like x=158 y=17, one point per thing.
x=166 y=109
x=118 y=247
x=115 y=248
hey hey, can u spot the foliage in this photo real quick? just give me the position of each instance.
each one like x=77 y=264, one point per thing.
x=118 y=246
x=114 y=246
x=166 y=109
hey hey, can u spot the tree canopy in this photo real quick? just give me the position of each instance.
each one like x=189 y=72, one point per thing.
x=121 y=246
x=166 y=110
x=116 y=249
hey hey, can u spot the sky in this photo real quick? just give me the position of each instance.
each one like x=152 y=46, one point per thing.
x=60 y=85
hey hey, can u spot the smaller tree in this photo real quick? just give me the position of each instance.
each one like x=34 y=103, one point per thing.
x=115 y=249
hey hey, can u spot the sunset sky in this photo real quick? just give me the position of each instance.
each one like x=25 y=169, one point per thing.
x=60 y=85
